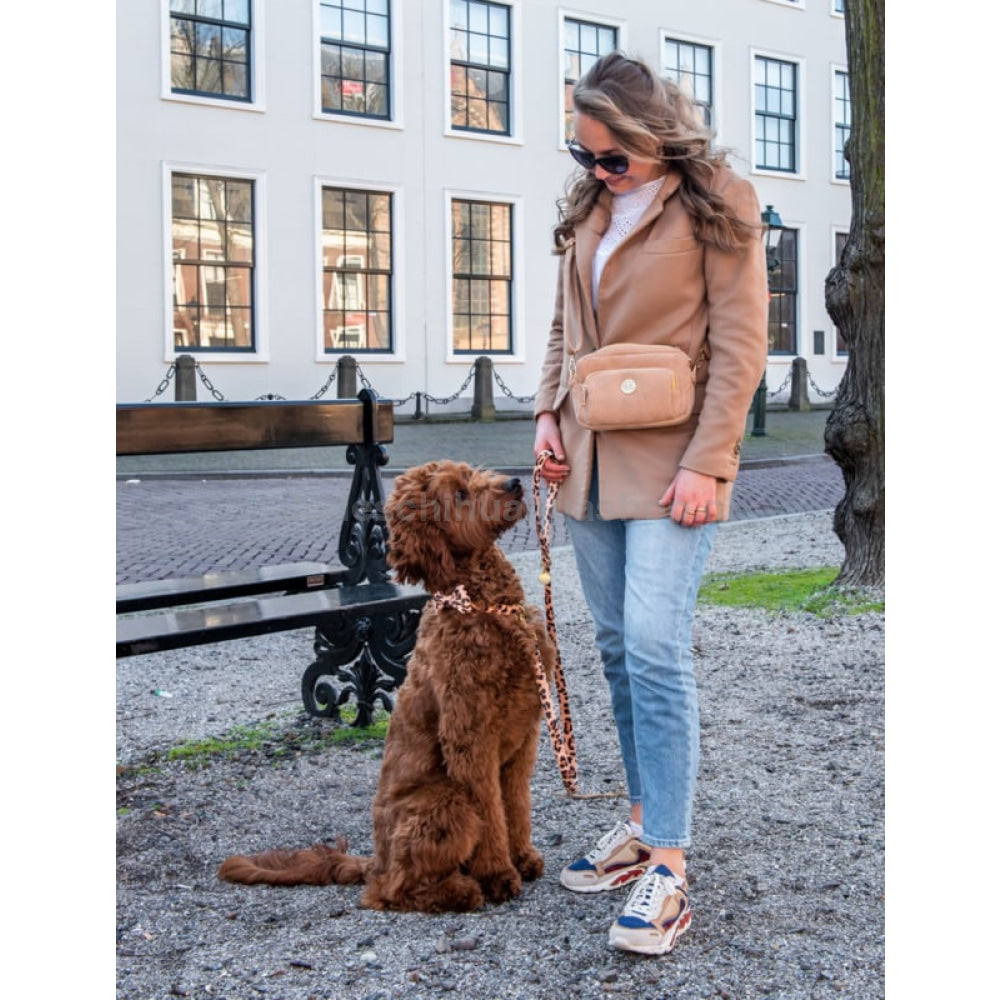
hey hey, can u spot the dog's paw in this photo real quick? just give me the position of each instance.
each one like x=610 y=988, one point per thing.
x=531 y=865
x=500 y=886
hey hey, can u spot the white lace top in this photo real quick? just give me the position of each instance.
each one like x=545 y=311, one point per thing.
x=626 y=208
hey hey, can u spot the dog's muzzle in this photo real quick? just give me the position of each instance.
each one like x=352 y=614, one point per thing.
x=513 y=487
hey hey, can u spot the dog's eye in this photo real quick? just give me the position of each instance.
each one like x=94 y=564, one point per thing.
x=461 y=495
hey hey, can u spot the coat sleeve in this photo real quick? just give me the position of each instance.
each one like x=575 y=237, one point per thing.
x=737 y=293
x=548 y=385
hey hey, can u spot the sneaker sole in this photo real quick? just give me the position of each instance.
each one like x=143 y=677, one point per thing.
x=622 y=943
x=608 y=882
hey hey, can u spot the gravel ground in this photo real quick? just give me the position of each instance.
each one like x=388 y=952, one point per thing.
x=786 y=872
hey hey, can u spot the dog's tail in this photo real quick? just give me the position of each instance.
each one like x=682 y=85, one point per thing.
x=316 y=865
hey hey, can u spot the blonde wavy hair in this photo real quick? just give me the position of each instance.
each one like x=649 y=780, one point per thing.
x=653 y=121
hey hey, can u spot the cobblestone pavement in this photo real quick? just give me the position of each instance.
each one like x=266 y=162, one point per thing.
x=184 y=527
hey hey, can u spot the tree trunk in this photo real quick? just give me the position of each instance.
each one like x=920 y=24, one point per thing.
x=855 y=300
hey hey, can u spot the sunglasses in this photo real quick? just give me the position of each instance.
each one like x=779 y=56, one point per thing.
x=615 y=164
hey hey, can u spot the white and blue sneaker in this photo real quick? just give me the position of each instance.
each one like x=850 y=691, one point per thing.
x=658 y=911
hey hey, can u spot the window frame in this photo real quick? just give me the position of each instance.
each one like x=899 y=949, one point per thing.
x=260 y=333
x=395 y=350
x=396 y=92
x=516 y=352
x=255 y=59
x=796 y=290
x=790 y=4
x=838 y=355
x=799 y=133
x=715 y=46
x=515 y=124
x=833 y=9
x=835 y=72
x=600 y=20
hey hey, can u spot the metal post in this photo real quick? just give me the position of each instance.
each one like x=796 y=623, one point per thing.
x=347 y=377
x=417 y=414
x=482 y=400
x=760 y=408
x=185 y=384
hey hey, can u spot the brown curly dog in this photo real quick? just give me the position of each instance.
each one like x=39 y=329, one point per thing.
x=452 y=813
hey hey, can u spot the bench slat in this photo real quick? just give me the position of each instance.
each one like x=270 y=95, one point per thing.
x=169 y=428
x=149 y=595
x=197 y=626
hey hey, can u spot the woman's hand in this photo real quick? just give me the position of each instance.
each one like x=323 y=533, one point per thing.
x=548 y=438
x=690 y=498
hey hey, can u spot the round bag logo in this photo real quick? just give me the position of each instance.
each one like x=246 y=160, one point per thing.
x=628 y=386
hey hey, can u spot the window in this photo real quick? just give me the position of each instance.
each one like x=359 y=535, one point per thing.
x=841 y=124
x=838 y=6
x=480 y=66
x=775 y=107
x=482 y=268
x=212 y=242
x=689 y=65
x=584 y=42
x=840 y=241
x=210 y=48
x=355 y=57
x=782 y=335
x=357 y=270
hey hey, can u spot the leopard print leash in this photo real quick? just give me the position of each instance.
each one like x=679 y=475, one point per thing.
x=561 y=728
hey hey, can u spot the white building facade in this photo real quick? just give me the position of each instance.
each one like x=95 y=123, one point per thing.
x=300 y=180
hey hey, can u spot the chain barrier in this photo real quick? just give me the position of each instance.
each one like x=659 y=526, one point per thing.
x=503 y=388
x=457 y=393
x=788 y=378
x=326 y=385
x=164 y=384
x=818 y=390
x=206 y=382
x=440 y=401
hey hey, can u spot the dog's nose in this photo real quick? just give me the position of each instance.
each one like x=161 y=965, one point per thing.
x=513 y=486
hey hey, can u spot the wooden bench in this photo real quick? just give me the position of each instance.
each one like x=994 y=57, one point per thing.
x=365 y=626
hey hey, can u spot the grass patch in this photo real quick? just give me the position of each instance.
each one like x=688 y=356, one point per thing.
x=282 y=738
x=808 y=590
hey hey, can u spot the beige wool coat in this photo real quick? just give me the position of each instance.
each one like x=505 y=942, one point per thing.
x=660 y=286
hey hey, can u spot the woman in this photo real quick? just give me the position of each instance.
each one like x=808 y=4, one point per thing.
x=660 y=244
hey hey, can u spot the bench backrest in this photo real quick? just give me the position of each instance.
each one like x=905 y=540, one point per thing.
x=364 y=424
x=169 y=428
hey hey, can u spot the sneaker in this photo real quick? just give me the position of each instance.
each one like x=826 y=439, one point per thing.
x=619 y=858
x=657 y=913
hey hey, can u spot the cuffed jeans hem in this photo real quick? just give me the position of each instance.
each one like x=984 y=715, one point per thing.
x=674 y=844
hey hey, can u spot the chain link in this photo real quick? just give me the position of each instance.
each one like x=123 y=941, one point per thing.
x=456 y=394
x=788 y=378
x=326 y=385
x=818 y=390
x=207 y=383
x=164 y=384
x=503 y=388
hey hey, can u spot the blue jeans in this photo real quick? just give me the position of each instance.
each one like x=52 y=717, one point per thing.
x=640 y=580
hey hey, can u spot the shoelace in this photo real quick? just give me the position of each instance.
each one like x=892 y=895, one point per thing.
x=649 y=893
x=620 y=833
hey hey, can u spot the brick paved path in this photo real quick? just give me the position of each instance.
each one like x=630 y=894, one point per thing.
x=184 y=527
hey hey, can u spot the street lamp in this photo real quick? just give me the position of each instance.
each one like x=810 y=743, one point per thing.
x=773 y=226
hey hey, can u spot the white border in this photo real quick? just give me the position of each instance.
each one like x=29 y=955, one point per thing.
x=518 y=333
x=792 y=4
x=515 y=105
x=261 y=352
x=257 y=63
x=562 y=14
x=716 y=46
x=396 y=284
x=834 y=70
x=835 y=13
x=395 y=121
x=801 y=104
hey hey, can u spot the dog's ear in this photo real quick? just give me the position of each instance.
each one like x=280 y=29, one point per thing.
x=418 y=550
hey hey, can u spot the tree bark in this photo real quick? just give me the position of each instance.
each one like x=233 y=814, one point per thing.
x=855 y=300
